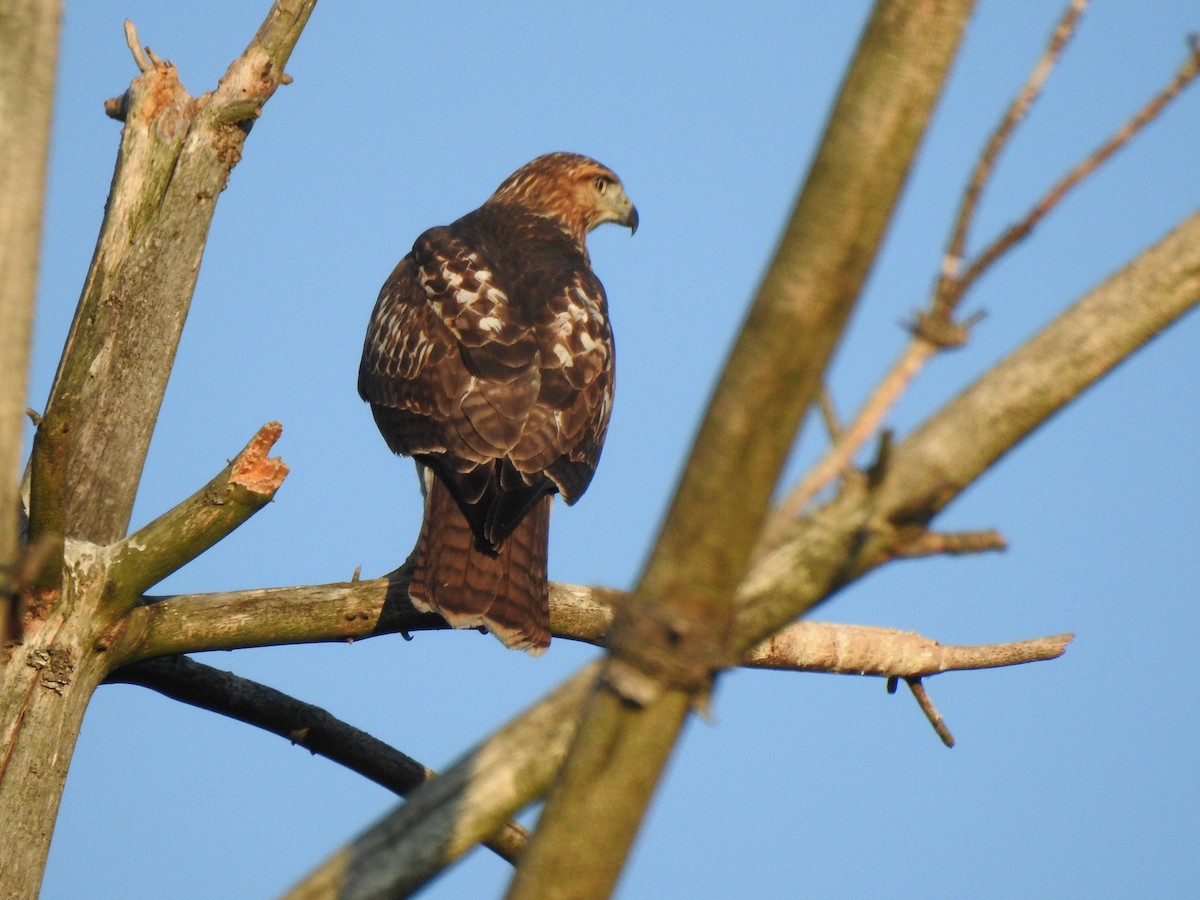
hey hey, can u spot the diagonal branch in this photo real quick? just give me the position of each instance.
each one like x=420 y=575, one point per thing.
x=28 y=57
x=303 y=724
x=175 y=158
x=178 y=536
x=676 y=635
x=934 y=330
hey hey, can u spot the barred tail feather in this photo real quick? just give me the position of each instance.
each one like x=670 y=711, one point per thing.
x=505 y=593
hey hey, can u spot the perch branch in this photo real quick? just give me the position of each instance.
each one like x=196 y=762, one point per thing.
x=178 y=536
x=303 y=724
x=364 y=609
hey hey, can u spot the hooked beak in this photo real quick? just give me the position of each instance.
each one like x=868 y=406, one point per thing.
x=631 y=220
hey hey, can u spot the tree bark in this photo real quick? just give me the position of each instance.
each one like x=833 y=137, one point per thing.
x=28 y=60
x=678 y=636
x=175 y=157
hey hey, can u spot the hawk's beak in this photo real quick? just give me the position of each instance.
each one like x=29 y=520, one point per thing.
x=631 y=219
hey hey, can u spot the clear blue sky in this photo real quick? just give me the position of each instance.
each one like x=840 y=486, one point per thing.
x=1071 y=778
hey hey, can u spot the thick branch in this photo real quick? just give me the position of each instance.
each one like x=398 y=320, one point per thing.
x=676 y=633
x=175 y=158
x=303 y=724
x=175 y=538
x=28 y=55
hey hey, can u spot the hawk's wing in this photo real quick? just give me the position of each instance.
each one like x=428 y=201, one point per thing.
x=498 y=378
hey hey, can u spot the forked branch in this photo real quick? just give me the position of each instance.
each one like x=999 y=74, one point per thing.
x=933 y=325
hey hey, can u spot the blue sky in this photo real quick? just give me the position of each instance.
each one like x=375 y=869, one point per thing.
x=1071 y=778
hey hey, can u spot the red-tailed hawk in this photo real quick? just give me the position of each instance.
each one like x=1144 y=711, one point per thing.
x=489 y=360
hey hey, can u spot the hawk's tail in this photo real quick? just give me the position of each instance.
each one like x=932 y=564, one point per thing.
x=505 y=593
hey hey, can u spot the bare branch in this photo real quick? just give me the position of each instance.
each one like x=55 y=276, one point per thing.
x=302 y=724
x=175 y=158
x=929 y=336
x=1013 y=116
x=955 y=543
x=884 y=652
x=1019 y=231
x=931 y=711
x=140 y=55
x=28 y=60
x=175 y=538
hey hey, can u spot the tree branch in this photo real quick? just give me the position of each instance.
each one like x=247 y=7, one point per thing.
x=934 y=329
x=302 y=724
x=177 y=537
x=28 y=59
x=676 y=634
x=175 y=158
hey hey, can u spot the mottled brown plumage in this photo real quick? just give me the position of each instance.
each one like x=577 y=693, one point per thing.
x=489 y=360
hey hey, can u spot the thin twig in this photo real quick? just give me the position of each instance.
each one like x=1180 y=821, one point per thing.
x=1017 y=232
x=931 y=712
x=952 y=543
x=301 y=723
x=950 y=287
x=140 y=56
x=1013 y=116
x=829 y=416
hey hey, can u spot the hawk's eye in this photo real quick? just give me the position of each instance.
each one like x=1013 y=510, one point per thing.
x=601 y=184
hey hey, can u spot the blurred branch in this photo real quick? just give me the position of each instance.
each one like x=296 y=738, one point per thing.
x=302 y=724
x=28 y=59
x=675 y=637
x=934 y=329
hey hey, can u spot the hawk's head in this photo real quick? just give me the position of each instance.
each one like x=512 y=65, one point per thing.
x=576 y=191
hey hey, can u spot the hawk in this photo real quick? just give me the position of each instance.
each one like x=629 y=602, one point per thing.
x=489 y=360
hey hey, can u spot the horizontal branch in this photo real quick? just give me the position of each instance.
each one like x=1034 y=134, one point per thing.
x=358 y=610
x=869 y=650
x=302 y=724
x=177 y=537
